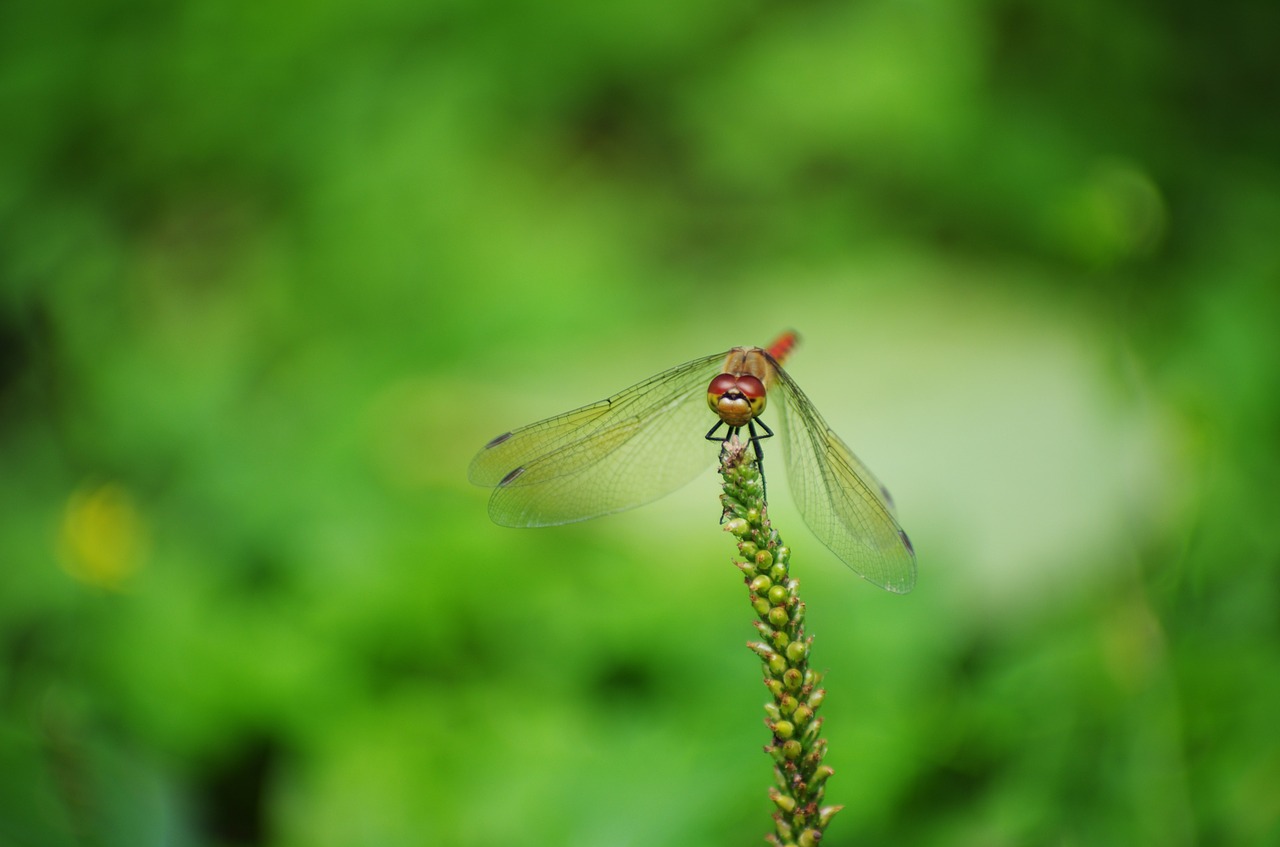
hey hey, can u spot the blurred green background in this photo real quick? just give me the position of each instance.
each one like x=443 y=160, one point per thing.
x=271 y=274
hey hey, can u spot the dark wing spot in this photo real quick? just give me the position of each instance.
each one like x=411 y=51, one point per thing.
x=495 y=442
x=906 y=542
x=884 y=492
x=515 y=474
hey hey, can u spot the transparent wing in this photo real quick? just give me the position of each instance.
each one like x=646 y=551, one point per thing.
x=630 y=449
x=842 y=502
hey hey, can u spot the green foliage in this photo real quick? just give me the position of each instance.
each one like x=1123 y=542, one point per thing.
x=271 y=275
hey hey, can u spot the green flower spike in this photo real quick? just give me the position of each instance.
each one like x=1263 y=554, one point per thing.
x=797 y=747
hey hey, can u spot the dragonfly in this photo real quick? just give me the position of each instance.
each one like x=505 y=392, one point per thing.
x=644 y=442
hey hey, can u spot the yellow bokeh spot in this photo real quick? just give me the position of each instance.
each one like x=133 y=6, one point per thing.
x=103 y=539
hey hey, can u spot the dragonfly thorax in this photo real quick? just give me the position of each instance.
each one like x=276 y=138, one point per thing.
x=736 y=399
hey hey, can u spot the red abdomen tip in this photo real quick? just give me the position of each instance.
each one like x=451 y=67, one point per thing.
x=781 y=346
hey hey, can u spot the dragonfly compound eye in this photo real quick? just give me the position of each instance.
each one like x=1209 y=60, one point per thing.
x=736 y=399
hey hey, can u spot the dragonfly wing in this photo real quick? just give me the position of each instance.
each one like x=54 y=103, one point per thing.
x=630 y=449
x=515 y=449
x=841 y=501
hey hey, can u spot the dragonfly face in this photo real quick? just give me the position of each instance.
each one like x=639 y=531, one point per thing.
x=736 y=399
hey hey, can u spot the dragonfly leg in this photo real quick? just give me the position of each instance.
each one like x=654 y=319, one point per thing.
x=711 y=436
x=755 y=439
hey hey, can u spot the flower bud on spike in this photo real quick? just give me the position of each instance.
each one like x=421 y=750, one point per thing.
x=736 y=526
x=782 y=801
x=778 y=595
x=826 y=813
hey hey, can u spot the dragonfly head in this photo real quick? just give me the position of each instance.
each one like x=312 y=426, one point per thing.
x=736 y=399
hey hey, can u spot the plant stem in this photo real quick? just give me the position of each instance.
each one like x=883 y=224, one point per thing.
x=797 y=747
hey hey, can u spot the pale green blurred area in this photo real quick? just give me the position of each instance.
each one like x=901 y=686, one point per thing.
x=270 y=275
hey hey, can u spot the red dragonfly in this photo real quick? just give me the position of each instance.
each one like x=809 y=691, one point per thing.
x=641 y=444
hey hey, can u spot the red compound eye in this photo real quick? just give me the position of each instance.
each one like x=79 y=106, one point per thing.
x=751 y=388
x=722 y=385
